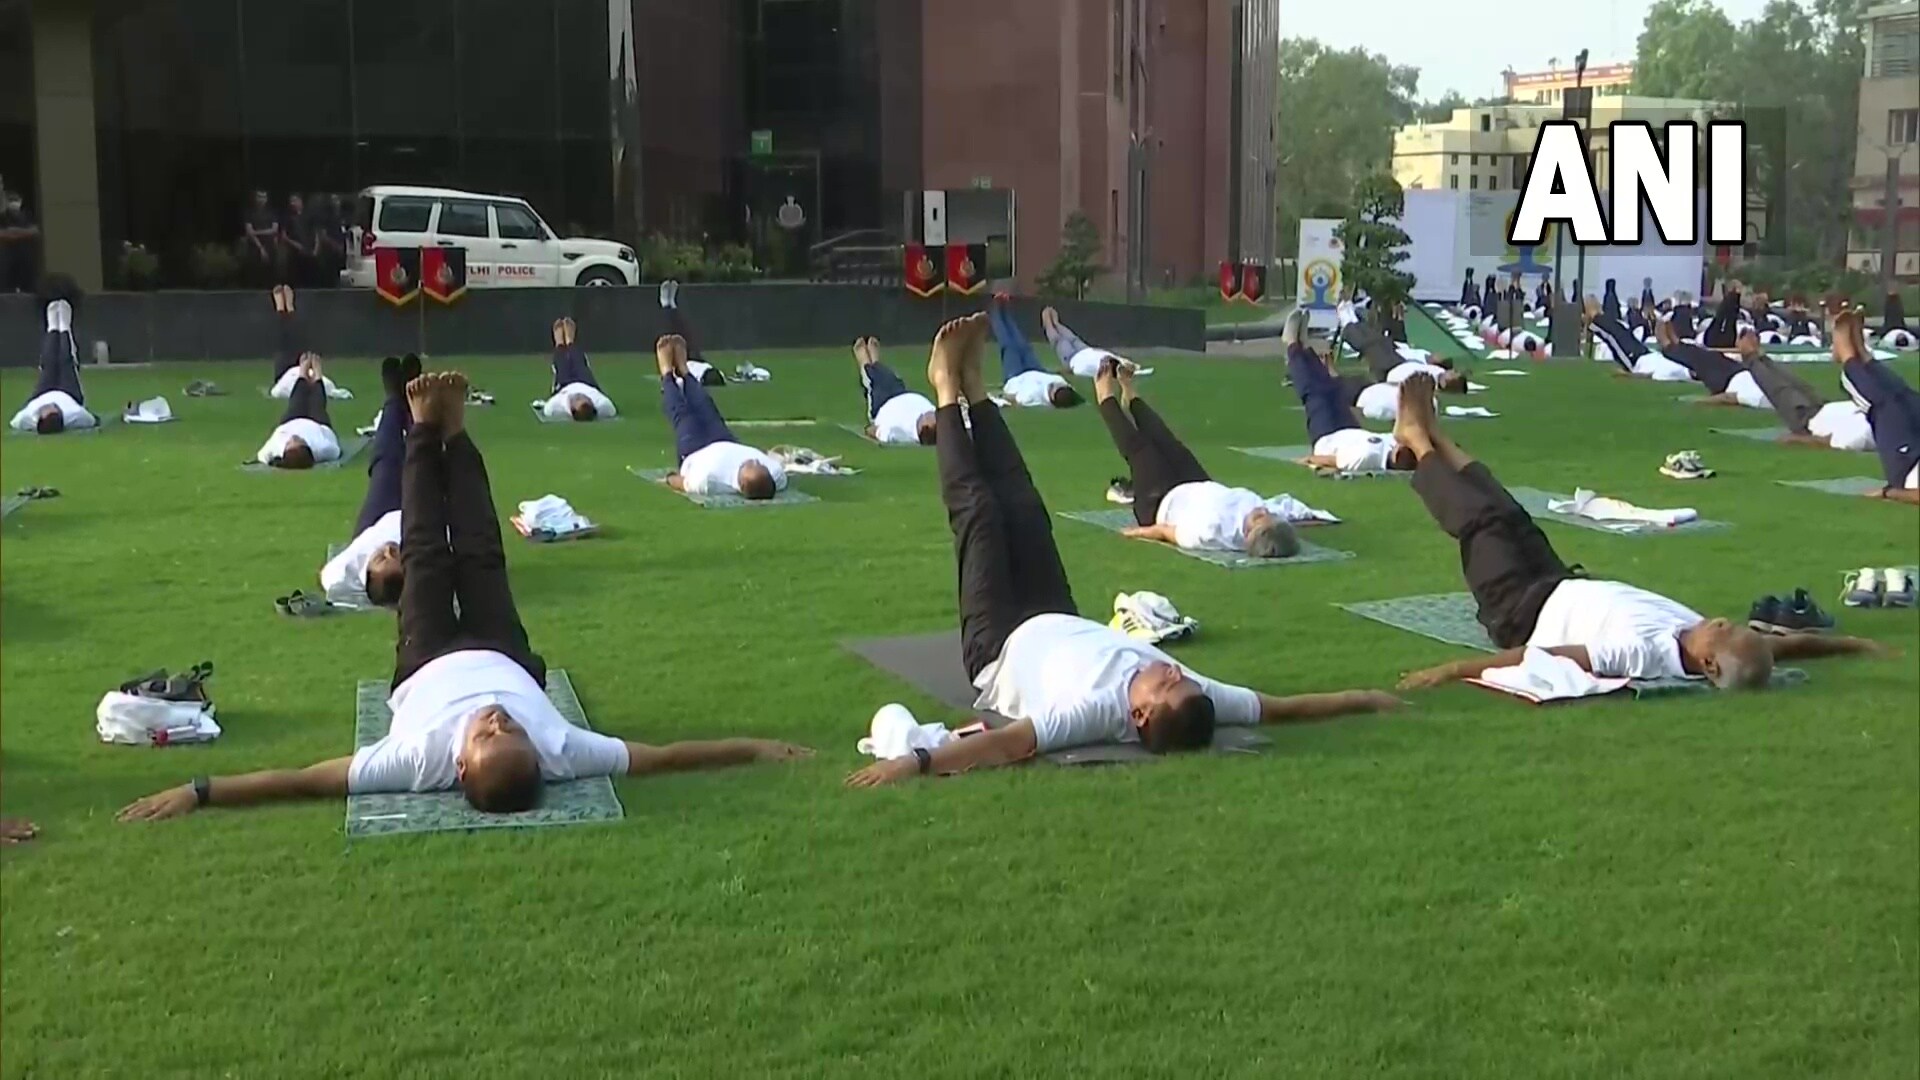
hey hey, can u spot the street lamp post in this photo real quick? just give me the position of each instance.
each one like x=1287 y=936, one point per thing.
x=1586 y=111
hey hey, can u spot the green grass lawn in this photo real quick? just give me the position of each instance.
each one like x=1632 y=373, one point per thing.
x=1704 y=886
x=1218 y=311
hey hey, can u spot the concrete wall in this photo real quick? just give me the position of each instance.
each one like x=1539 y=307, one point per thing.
x=241 y=325
x=69 y=174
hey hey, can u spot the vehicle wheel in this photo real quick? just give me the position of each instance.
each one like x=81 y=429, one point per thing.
x=600 y=278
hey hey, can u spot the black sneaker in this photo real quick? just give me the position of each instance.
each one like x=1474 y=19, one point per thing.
x=1801 y=615
x=1766 y=615
x=1120 y=491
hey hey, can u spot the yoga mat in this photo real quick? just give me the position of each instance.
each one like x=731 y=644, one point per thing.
x=1291 y=455
x=931 y=664
x=573 y=802
x=1535 y=501
x=1762 y=434
x=349 y=449
x=861 y=433
x=1116 y=520
x=789 y=497
x=1846 y=485
x=1450 y=617
x=11 y=503
x=104 y=419
x=541 y=416
x=799 y=421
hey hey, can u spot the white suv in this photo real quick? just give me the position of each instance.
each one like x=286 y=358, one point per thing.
x=507 y=243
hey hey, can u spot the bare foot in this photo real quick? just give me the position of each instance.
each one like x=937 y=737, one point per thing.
x=1413 y=427
x=973 y=385
x=569 y=329
x=1124 y=373
x=677 y=353
x=17 y=830
x=559 y=335
x=1106 y=381
x=452 y=389
x=873 y=349
x=423 y=399
x=663 y=354
x=286 y=293
x=947 y=362
x=1050 y=319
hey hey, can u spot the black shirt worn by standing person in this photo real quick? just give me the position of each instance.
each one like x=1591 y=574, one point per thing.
x=261 y=232
x=16 y=249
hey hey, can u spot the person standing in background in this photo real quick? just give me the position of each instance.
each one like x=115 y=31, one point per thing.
x=329 y=239
x=260 y=243
x=299 y=254
x=19 y=243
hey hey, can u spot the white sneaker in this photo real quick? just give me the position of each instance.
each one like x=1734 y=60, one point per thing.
x=666 y=294
x=1862 y=589
x=1900 y=588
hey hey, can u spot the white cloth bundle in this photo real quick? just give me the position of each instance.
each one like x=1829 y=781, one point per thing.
x=1507 y=371
x=1287 y=508
x=752 y=373
x=551 y=514
x=1618 y=513
x=1150 y=617
x=799 y=459
x=894 y=733
x=1541 y=676
x=1459 y=411
x=154 y=410
x=131 y=720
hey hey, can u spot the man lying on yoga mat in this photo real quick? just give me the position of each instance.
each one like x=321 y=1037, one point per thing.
x=1528 y=598
x=678 y=325
x=468 y=709
x=576 y=393
x=1893 y=408
x=712 y=461
x=1338 y=440
x=1174 y=500
x=370 y=567
x=1080 y=358
x=1711 y=368
x=1023 y=381
x=305 y=436
x=1744 y=388
x=287 y=354
x=896 y=416
x=1063 y=680
x=1895 y=334
x=59 y=402
x=1384 y=361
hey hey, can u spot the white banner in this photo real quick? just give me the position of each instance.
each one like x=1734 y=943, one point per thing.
x=1319 y=282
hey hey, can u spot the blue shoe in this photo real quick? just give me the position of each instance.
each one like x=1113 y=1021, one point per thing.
x=1765 y=615
x=1801 y=615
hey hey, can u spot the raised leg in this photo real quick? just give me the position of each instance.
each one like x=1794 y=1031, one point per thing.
x=307 y=402
x=487 y=612
x=1016 y=352
x=428 y=624
x=1323 y=396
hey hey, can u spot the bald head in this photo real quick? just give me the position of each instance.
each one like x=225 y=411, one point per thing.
x=1742 y=660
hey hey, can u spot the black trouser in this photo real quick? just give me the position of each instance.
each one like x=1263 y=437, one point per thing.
x=570 y=366
x=451 y=554
x=1374 y=348
x=678 y=324
x=1158 y=459
x=1724 y=330
x=1009 y=568
x=1509 y=566
x=59 y=366
x=289 y=350
x=384 y=483
x=1626 y=349
x=1712 y=369
x=307 y=402
x=1790 y=396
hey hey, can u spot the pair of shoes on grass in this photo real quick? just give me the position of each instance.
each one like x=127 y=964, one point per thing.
x=1868 y=587
x=1796 y=613
x=1685 y=465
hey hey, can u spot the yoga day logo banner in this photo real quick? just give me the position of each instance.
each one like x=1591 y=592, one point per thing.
x=1320 y=280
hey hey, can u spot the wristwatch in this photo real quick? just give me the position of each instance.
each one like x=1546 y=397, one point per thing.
x=202 y=790
x=925 y=758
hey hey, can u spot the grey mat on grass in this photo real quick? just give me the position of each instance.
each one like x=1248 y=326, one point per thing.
x=573 y=802
x=1845 y=485
x=789 y=497
x=349 y=449
x=1536 y=501
x=1291 y=455
x=1450 y=617
x=106 y=420
x=861 y=433
x=931 y=664
x=798 y=421
x=1116 y=520
x=11 y=503
x=1758 y=434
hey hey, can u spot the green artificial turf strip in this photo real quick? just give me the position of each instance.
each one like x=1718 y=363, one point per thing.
x=1713 y=885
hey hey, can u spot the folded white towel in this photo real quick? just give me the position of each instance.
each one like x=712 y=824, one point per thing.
x=1618 y=512
x=751 y=373
x=151 y=411
x=1474 y=387
x=1287 y=508
x=1470 y=410
x=1508 y=371
x=1503 y=354
x=894 y=733
x=1541 y=676
x=553 y=514
x=799 y=459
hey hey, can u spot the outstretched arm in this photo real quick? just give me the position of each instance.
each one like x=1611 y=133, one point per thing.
x=1471 y=669
x=1716 y=399
x=1301 y=708
x=1910 y=496
x=1162 y=533
x=645 y=760
x=1009 y=745
x=328 y=779
x=1814 y=646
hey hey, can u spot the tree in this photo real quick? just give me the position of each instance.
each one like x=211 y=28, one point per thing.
x=1441 y=110
x=1372 y=242
x=1337 y=115
x=1078 y=262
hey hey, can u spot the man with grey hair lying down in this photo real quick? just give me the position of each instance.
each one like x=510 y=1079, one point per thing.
x=468 y=707
x=1529 y=599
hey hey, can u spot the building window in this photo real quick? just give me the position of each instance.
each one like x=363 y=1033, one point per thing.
x=1453 y=182
x=1493 y=183
x=1453 y=159
x=1475 y=182
x=1895 y=47
x=1473 y=159
x=1119 y=48
x=1903 y=127
x=1486 y=121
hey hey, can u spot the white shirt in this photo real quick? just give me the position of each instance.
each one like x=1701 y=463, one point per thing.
x=1086 y=363
x=698 y=369
x=1913 y=478
x=1069 y=676
x=344 y=578
x=1356 y=450
x=284 y=388
x=1747 y=392
x=1032 y=389
x=898 y=418
x=558 y=408
x=1661 y=369
x=430 y=715
x=71 y=411
x=1381 y=401
x=318 y=437
x=1208 y=516
x=1843 y=424
x=1402 y=372
x=1628 y=632
x=715 y=469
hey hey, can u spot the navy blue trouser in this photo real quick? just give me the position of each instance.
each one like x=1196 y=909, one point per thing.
x=881 y=385
x=570 y=366
x=1016 y=352
x=288 y=354
x=697 y=423
x=1893 y=409
x=389 y=458
x=1321 y=394
x=59 y=367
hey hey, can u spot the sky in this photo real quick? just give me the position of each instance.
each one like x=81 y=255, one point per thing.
x=1464 y=44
